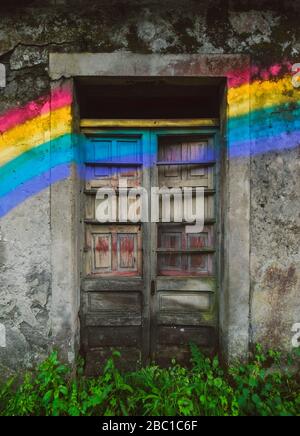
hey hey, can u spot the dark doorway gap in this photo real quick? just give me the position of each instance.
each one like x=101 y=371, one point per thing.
x=149 y=98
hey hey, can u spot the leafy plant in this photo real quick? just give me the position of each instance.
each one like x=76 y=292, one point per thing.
x=268 y=384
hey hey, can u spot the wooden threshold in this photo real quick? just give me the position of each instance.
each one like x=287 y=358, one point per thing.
x=143 y=123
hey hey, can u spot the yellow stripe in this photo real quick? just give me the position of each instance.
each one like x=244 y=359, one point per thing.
x=37 y=131
x=197 y=122
x=263 y=95
x=34 y=133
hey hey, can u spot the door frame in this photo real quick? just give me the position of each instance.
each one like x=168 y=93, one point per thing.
x=235 y=298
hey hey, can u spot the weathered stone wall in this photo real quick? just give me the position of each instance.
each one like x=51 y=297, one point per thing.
x=266 y=30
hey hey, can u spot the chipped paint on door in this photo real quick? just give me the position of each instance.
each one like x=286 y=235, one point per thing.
x=148 y=288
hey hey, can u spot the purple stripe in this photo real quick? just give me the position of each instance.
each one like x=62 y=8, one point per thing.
x=277 y=143
x=33 y=187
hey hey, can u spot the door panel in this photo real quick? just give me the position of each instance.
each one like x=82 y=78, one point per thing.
x=148 y=288
x=172 y=239
x=185 y=151
x=113 y=250
x=113 y=285
x=184 y=304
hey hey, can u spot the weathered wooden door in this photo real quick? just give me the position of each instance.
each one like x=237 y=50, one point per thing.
x=148 y=288
x=183 y=264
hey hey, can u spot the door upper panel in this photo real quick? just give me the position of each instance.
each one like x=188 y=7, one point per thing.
x=185 y=158
x=109 y=159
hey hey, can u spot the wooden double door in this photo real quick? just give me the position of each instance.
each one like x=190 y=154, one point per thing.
x=148 y=286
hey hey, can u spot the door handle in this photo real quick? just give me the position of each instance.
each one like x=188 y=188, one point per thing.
x=153 y=287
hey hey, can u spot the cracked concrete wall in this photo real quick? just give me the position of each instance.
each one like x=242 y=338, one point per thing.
x=25 y=282
x=265 y=30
